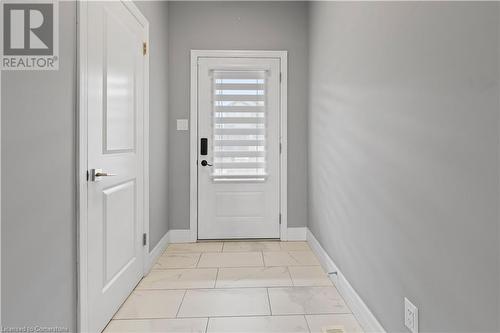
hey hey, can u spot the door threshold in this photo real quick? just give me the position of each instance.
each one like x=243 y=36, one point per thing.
x=238 y=240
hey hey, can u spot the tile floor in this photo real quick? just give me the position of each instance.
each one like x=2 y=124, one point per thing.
x=245 y=287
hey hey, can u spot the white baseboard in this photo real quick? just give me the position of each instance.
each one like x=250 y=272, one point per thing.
x=180 y=236
x=362 y=313
x=296 y=234
x=323 y=257
x=171 y=237
x=156 y=252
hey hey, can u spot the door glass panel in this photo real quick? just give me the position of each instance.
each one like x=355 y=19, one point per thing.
x=239 y=125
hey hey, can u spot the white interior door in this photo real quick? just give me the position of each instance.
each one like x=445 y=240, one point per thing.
x=238 y=148
x=116 y=74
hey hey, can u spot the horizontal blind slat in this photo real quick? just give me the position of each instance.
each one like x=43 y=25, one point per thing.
x=239 y=131
x=239 y=98
x=257 y=177
x=239 y=75
x=239 y=109
x=240 y=143
x=239 y=86
x=232 y=115
x=239 y=153
x=249 y=165
x=238 y=120
x=240 y=172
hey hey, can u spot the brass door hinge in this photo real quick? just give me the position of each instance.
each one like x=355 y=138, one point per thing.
x=144 y=48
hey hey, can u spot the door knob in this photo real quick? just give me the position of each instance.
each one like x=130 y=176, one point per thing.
x=205 y=163
x=96 y=173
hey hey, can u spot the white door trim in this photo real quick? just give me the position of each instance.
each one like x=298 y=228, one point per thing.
x=83 y=21
x=1 y=199
x=193 y=205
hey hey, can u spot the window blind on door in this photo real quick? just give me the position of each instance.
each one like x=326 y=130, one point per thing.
x=239 y=121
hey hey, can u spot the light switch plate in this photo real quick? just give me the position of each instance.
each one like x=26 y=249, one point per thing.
x=182 y=125
x=411 y=316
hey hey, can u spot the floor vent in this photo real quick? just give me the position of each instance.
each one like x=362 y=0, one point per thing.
x=333 y=330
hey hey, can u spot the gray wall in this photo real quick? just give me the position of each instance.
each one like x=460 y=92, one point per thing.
x=237 y=25
x=404 y=158
x=38 y=177
x=38 y=190
x=156 y=13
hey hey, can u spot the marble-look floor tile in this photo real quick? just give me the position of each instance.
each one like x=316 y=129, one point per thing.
x=345 y=322
x=295 y=246
x=151 y=304
x=290 y=258
x=275 y=324
x=253 y=277
x=309 y=276
x=194 y=247
x=251 y=246
x=231 y=259
x=225 y=303
x=306 y=300
x=177 y=260
x=191 y=325
x=179 y=279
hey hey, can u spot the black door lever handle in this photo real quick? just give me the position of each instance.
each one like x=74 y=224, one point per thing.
x=205 y=163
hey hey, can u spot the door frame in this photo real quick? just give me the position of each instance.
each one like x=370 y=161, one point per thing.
x=193 y=159
x=82 y=150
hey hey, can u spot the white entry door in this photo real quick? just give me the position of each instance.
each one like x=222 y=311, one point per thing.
x=115 y=189
x=238 y=148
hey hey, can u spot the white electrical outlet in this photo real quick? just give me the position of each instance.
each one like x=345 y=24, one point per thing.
x=411 y=316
